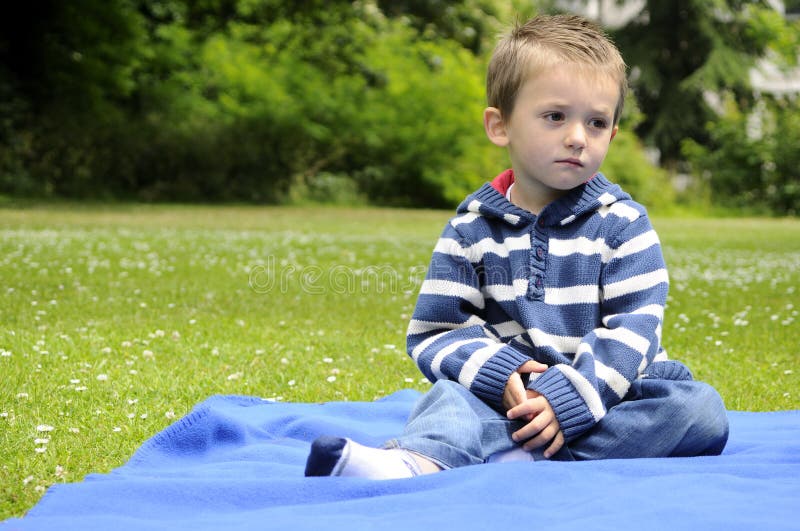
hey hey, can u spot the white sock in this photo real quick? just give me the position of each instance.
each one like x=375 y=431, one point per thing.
x=344 y=457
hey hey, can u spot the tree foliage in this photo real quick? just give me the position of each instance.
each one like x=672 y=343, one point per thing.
x=377 y=100
x=751 y=161
x=240 y=100
x=683 y=50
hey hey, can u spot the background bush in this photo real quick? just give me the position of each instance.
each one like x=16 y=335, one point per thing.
x=752 y=161
x=270 y=101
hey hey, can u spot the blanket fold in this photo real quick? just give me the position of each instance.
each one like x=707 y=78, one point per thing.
x=237 y=463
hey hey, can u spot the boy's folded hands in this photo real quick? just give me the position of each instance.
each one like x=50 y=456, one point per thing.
x=523 y=404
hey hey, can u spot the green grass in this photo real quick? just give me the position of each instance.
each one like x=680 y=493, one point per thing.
x=115 y=321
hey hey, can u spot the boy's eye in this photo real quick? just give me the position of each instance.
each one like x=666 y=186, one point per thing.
x=555 y=116
x=599 y=123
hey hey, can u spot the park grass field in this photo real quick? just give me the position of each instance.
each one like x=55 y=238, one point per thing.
x=115 y=321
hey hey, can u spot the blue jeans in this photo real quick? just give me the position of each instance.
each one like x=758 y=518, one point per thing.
x=658 y=418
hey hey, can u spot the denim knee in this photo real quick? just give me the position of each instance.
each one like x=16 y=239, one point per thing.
x=702 y=412
x=712 y=416
x=454 y=428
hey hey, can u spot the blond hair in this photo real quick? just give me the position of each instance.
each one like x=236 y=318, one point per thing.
x=547 y=41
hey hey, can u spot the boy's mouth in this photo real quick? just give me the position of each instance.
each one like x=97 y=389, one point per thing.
x=571 y=162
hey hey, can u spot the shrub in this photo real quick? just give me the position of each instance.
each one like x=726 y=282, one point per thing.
x=752 y=160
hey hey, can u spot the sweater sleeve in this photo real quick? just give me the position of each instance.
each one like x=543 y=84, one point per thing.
x=633 y=287
x=448 y=336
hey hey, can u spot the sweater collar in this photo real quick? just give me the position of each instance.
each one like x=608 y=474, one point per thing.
x=490 y=201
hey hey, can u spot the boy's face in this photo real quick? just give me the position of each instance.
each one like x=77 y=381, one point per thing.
x=560 y=129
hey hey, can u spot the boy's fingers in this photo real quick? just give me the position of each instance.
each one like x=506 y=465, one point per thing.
x=530 y=434
x=520 y=410
x=514 y=392
x=547 y=435
x=534 y=403
x=532 y=366
x=531 y=412
x=555 y=446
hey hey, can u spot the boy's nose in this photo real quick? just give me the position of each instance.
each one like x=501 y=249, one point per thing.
x=576 y=137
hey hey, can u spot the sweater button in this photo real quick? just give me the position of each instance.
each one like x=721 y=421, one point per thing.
x=540 y=253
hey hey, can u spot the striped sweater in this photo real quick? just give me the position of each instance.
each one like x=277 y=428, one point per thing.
x=581 y=288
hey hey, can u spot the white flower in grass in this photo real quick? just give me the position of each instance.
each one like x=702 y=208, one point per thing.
x=170 y=414
x=44 y=428
x=60 y=473
x=147 y=354
x=74 y=430
x=331 y=379
x=40 y=449
x=41 y=440
x=117 y=429
x=102 y=377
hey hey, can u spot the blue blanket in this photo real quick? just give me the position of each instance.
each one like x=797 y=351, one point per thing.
x=237 y=463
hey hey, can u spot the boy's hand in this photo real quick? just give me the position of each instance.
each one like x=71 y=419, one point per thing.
x=515 y=393
x=523 y=404
x=542 y=426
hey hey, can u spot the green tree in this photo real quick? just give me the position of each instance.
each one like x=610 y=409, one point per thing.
x=751 y=160
x=256 y=100
x=680 y=51
x=67 y=70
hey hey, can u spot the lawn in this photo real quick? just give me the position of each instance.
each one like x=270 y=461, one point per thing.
x=116 y=321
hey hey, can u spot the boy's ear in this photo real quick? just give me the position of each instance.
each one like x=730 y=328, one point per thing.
x=495 y=126
x=614 y=132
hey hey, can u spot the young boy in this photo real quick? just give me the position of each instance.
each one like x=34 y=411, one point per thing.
x=540 y=318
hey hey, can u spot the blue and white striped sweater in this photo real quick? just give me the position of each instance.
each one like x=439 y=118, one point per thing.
x=581 y=288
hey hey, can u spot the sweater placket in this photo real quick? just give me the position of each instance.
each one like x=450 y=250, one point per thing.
x=537 y=261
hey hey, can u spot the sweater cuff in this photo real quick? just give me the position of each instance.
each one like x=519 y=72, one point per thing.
x=490 y=382
x=574 y=416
